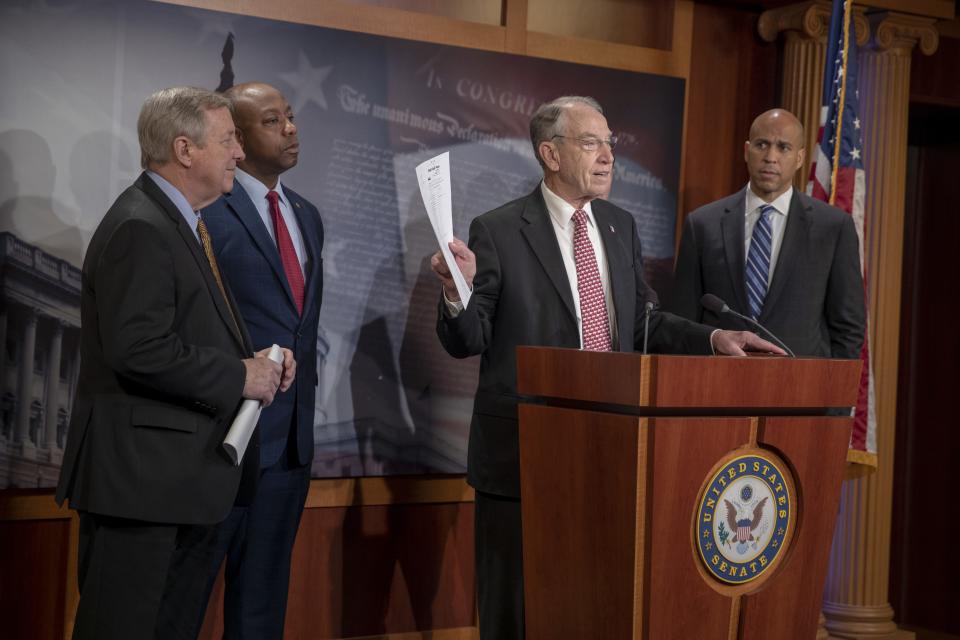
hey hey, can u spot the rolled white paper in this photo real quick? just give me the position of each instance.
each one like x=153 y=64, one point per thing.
x=238 y=437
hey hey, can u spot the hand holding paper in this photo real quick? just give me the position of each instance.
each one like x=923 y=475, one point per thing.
x=433 y=177
x=465 y=260
x=238 y=437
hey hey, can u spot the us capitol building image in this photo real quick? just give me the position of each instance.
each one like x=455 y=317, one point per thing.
x=40 y=338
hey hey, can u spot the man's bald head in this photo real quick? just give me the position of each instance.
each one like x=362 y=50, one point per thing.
x=783 y=118
x=774 y=152
x=245 y=97
x=265 y=129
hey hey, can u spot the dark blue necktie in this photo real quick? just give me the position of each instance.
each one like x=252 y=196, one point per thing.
x=758 y=261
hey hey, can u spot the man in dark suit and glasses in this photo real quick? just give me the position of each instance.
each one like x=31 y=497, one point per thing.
x=560 y=267
x=788 y=260
x=268 y=241
x=165 y=363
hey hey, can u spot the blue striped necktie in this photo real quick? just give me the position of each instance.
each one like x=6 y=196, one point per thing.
x=758 y=261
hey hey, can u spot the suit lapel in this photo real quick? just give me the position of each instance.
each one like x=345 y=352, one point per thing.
x=312 y=240
x=798 y=224
x=542 y=239
x=622 y=287
x=732 y=224
x=239 y=202
x=229 y=315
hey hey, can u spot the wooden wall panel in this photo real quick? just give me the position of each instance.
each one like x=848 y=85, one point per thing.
x=387 y=558
x=643 y=23
x=483 y=11
x=375 y=570
x=732 y=80
x=33 y=563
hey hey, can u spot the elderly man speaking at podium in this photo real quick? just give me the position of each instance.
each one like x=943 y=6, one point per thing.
x=560 y=267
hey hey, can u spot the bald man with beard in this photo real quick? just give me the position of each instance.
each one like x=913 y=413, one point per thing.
x=811 y=295
x=269 y=241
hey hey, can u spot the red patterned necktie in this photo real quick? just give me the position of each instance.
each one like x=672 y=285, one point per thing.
x=288 y=255
x=593 y=308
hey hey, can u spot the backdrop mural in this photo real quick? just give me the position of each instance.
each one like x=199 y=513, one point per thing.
x=369 y=109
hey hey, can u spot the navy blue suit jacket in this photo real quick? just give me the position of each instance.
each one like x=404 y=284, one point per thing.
x=250 y=261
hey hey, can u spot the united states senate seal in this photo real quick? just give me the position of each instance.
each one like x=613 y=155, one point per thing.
x=745 y=516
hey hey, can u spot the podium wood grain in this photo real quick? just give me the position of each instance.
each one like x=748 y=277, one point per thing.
x=614 y=450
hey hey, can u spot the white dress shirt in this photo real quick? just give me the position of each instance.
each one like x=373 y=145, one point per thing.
x=778 y=223
x=561 y=215
x=258 y=195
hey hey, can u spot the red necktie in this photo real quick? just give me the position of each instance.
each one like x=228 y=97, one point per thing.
x=288 y=255
x=593 y=308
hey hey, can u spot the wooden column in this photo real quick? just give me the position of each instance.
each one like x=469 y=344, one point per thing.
x=855 y=598
x=856 y=601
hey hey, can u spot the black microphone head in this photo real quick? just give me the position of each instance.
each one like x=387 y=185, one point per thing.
x=711 y=302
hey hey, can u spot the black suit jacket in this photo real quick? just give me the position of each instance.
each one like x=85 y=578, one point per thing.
x=521 y=296
x=815 y=301
x=161 y=375
x=250 y=261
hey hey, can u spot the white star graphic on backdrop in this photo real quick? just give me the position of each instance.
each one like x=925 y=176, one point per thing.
x=307 y=83
x=855 y=154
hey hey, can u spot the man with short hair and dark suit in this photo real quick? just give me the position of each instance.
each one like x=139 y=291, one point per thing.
x=560 y=267
x=165 y=363
x=783 y=258
x=268 y=241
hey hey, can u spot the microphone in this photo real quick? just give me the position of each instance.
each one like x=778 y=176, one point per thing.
x=647 y=309
x=712 y=303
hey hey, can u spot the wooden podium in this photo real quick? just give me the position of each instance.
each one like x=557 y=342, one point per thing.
x=623 y=462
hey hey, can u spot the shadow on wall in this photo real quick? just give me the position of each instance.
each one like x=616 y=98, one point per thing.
x=28 y=178
x=27 y=206
x=101 y=166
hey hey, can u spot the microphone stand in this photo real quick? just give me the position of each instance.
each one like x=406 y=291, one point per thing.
x=647 y=308
x=714 y=304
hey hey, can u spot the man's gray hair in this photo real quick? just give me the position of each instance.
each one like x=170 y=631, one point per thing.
x=546 y=122
x=170 y=113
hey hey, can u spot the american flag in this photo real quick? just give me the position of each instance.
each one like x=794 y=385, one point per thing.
x=837 y=177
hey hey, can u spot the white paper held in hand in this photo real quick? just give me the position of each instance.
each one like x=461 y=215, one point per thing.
x=238 y=437
x=433 y=176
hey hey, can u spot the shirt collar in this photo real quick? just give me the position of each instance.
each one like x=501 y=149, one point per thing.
x=560 y=210
x=177 y=198
x=781 y=204
x=256 y=189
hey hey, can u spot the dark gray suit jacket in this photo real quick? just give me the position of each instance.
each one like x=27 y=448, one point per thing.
x=161 y=375
x=521 y=296
x=815 y=301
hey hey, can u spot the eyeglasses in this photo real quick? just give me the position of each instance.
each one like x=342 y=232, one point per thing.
x=592 y=144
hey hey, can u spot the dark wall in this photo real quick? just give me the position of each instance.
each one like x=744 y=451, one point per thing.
x=925 y=557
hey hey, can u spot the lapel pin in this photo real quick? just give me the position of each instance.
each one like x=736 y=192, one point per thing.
x=612 y=230
x=296 y=204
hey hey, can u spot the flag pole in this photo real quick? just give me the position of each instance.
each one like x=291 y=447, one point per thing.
x=838 y=139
